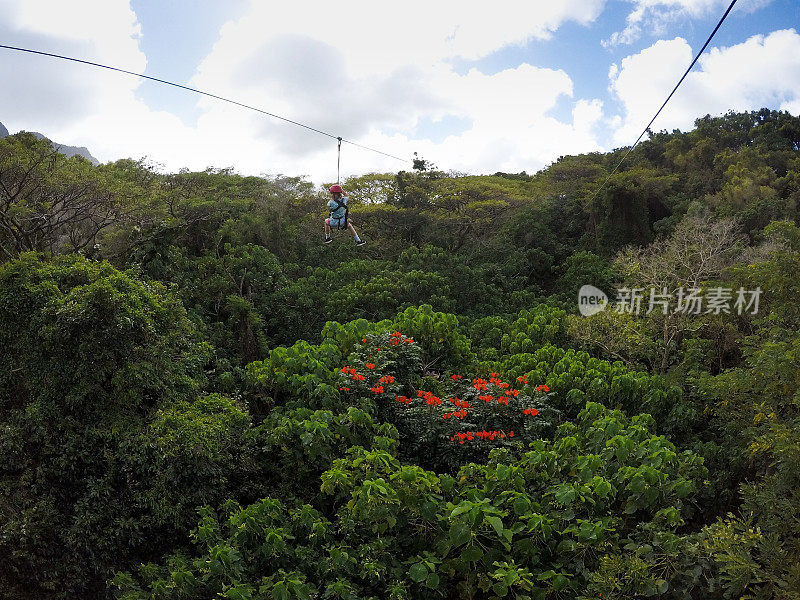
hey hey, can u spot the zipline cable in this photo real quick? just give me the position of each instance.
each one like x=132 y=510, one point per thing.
x=677 y=85
x=708 y=41
x=210 y=95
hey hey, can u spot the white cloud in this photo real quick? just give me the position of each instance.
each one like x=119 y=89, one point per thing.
x=762 y=71
x=48 y=92
x=77 y=104
x=77 y=21
x=376 y=39
x=586 y=115
x=644 y=80
x=510 y=130
x=655 y=16
x=791 y=106
x=360 y=72
x=353 y=68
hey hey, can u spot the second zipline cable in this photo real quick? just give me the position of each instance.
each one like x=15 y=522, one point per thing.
x=675 y=89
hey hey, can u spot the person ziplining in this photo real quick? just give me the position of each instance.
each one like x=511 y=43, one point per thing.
x=337 y=205
x=339 y=214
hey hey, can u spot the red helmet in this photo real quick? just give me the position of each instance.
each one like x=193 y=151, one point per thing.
x=336 y=188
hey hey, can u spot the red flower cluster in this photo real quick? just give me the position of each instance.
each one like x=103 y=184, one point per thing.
x=430 y=399
x=395 y=340
x=463 y=436
x=495 y=379
x=353 y=374
x=458 y=414
x=502 y=392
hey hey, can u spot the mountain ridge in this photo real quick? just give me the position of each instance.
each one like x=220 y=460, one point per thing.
x=69 y=151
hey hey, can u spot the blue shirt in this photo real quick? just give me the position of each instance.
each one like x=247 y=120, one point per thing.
x=337 y=212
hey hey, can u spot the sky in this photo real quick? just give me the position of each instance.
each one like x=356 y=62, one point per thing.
x=473 y=87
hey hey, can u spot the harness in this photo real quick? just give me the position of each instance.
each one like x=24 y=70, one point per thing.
x=340 y=204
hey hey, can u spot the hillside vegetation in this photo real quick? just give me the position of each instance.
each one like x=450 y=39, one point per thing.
x=198 y=399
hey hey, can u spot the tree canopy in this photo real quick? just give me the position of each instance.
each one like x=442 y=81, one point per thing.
x=200 y=400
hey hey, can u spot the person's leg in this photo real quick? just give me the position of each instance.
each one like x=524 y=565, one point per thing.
x=327 y=230
x=355 y=235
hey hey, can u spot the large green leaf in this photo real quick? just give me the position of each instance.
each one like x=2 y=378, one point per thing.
x=418 y=572
x=460 y=533
x=496 y=523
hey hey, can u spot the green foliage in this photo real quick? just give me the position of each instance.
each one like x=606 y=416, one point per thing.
x=372 y=188
x=203 y=427
x=575 y=377
x=302 y=372
x=758 y=430
x=439 y=335
x=627 y=207
x=584 y=268
x=51 y=203
x=485 y=335
x=349 y=291
x=296 y=445
x=345 y=414
x=106 y=446
x=532 y=329
x=227 y=293
x=748 y=561
x=85 y=339
x=538 y=524
x=256 y=539
x=615 y=336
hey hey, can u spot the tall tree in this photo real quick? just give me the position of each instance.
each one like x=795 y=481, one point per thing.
x=48 y=202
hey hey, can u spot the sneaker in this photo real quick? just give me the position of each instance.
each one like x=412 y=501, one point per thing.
x=327 y=240
x=361 y=243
